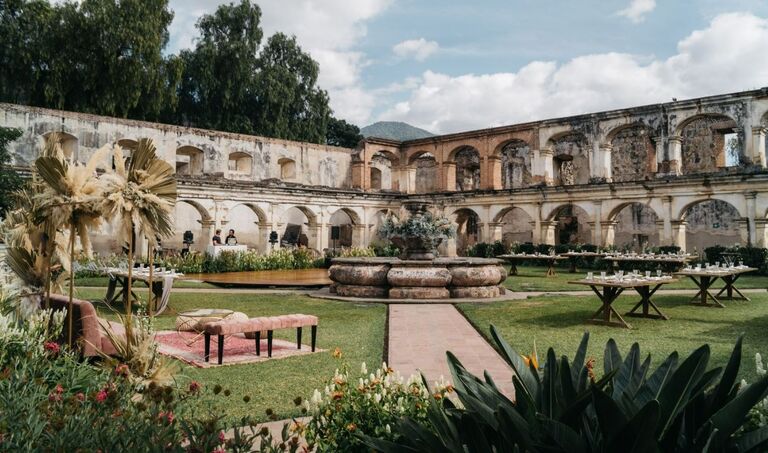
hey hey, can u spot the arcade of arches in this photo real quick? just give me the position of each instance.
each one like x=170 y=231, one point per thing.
x=690 y=173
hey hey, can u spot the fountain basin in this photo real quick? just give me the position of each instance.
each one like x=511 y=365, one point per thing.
x=439 y=278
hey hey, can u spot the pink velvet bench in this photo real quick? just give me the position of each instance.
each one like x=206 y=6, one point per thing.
x=257 y=326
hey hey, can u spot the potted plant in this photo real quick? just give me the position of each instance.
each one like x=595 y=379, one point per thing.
x=418 y=236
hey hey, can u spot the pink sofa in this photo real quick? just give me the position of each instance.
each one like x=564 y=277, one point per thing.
x=87 y=326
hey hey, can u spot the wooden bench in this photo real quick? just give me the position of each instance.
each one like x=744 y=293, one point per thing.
x=257 y=326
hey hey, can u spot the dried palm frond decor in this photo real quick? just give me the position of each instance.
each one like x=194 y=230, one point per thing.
x=140 y=198
x=72 y=198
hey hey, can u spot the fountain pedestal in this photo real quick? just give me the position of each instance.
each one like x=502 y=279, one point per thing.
x=439 y=278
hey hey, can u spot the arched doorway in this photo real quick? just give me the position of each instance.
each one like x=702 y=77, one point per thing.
x=246 y=220
x=515 y=165
x=467 y=230
x=635 y=227
x=709 y=223
x=517 y=226
x=571 y=225
x=344 y=221
x=189 y=215
x=68 y=143
x=467 y=168
x=382 y=175
x=296 y=222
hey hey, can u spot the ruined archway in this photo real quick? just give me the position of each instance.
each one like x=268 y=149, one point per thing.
x=467 y=229
x=633 y=155
x=344 y=220
x=189 y=161
x=68 y=143
x=515 y=164
x=382 y=168
x=710 y=142
x=571 y=225
x=570 y=159
x=710 y=222
x=296 y=222
x=190 y=215
x=467 y=161
x=248 y=221
x=426 y=172
x=634 y=227
x=517 y=226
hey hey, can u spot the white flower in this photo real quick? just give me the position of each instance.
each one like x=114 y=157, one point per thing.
x=377 y=397
x=317 y=398
x=388 y=429
x=363 y=369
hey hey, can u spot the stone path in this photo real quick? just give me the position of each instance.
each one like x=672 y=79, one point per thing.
x=420 y=334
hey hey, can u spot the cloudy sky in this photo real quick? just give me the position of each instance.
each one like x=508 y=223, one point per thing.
x=452 y=65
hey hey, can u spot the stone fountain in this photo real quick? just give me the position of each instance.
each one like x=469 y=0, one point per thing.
x=417 y=274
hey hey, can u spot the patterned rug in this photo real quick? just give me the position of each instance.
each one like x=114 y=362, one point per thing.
x=189 y=348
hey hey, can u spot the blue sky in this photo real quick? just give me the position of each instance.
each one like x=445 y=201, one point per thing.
x=454 y=65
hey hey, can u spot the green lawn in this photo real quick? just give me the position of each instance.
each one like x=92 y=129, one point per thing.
x=532 y=278
x=103 y=281
x=558 y=322
x=358 y=330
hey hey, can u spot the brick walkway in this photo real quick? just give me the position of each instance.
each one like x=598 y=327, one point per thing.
x=420 y=334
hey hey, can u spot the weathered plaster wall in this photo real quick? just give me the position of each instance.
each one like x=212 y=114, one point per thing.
x=632 y=155
x=516 y=165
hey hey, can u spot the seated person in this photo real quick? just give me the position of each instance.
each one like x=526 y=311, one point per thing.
x=217 y=238
x=231 y=239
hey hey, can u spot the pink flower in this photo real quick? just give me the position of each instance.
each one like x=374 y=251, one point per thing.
x=122 y=370
x=59 y=389
x=194 y=387
x=52 y=347
x=80 y=396
x=221 y=436
x=101 y=396
x=170 y=417
x=54 y=397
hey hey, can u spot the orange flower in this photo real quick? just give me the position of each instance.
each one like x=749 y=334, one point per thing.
x=337 y=353
x=337 y=395
x=590 y=369
x=351 y=427
x=438 y=396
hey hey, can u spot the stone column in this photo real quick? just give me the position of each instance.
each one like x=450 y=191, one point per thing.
x=536 y=232
x=758 y=146
x=449 y=176
x=263 y=242
x=280 y=228
x=548 y=231
x=665 y=235
x=596 y=223
x=609 y=232
x=359 y=177
x=676 y=155
x=761 y=233
x=659 y=141
x=547 y=170
x=664 y=238
x=410 y=179
x=358 y=236
x=206 y=227
x=494 y=173
x=496 y=231
x=749 y=227
x=744 y=227
x=604 y=162
x=678 y=234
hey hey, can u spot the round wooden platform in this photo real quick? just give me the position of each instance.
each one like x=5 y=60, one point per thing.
x=289 y=278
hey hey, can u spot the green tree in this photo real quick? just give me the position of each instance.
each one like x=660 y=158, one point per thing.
x=290 y=104
x=341 y=133
x=217 y=89
x=10 y=181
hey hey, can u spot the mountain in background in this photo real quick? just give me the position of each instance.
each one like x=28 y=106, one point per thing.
x=394 y=130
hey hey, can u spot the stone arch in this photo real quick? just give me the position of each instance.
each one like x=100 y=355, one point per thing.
x=468 y=229
x=710 y=221
x=515 y=166
x=345 y=220
x=68 y=143
x=710 y=141
x=426 y=174
x=633 y=225
x=633 y=154
x=467 y=160
x=382 y=170
x=571 y=224
x=190 y=215
x=287 y=168
x=570 y=159
x=189 y=160
x=248 y=220
x=296 y=222
x=239 y=163
x=517 y=225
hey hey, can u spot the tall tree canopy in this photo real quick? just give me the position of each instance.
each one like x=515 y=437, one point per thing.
x=341 y=133
x=107 y=57
x=10 y=181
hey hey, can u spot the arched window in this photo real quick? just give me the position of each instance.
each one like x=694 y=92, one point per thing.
x=287 y=169
x=68 y=144
x=240 y=163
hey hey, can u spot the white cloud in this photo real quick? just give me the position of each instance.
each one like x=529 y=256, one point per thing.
x=418 y=49
x=328 y=29
x=637 y=10
x=726 y=56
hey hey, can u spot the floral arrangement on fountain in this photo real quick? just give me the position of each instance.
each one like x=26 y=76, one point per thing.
x=419 y=235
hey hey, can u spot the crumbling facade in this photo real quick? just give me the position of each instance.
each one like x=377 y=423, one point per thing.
x=689 y=173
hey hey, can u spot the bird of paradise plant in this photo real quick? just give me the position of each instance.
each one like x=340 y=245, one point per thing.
x=72 y=199
x=140 y=197
x=533 y=358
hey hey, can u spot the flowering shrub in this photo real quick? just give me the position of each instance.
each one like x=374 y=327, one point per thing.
x=283 y=258
x=351 y=252
x=430 y=229
x=370 y=403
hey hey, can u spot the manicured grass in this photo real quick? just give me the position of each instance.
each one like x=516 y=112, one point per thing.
x=559 y=322
x=532 y=278
x=358 y=330
x=104 y=281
